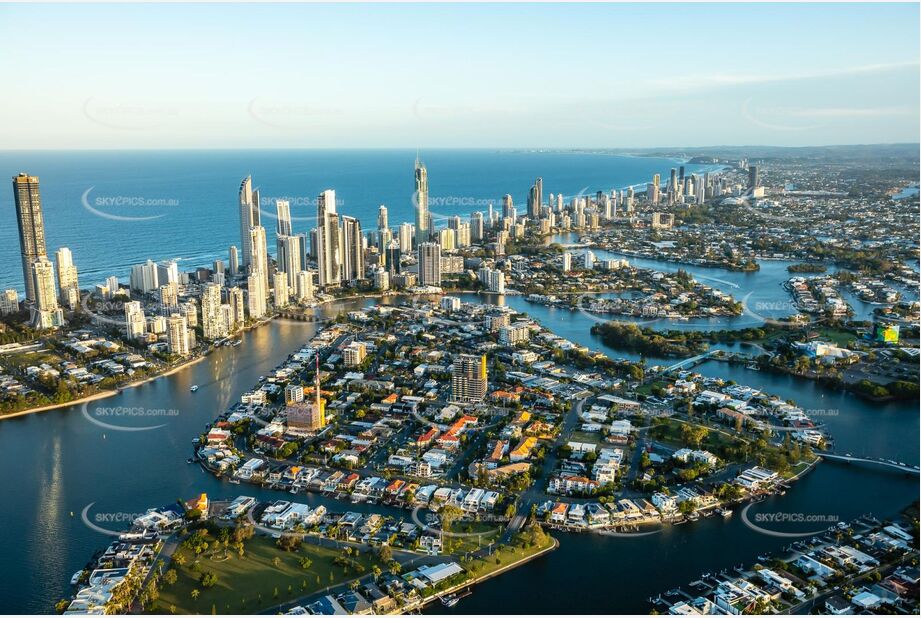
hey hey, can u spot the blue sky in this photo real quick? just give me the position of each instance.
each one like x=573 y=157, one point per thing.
x=538 y=75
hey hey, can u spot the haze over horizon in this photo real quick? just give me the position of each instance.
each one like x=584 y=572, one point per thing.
x=459 y=76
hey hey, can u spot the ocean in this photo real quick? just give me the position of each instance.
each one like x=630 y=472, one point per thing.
x=114 y=209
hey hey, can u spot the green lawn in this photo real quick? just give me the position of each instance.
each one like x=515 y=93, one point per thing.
x=593 y=437
x=459 y=545
x=646 y=389
x=253 y=583
x=26 y=359
x=837 y=336
x=713 y=442
x=504 y=556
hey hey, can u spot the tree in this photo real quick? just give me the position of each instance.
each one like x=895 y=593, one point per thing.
x=449 y=514
x=195 y=593
x=170 y=576
x=694 y=434
x=208 y=579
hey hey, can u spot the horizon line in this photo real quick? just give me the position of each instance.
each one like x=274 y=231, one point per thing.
x=411 y=148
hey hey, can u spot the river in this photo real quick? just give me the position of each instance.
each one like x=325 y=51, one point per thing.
x=57 y=463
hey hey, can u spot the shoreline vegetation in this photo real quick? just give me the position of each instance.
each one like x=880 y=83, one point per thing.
x=107 y=393
x=128 y=385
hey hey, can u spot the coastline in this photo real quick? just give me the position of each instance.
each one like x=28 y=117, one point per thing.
x=169 y=372
x=105 y=394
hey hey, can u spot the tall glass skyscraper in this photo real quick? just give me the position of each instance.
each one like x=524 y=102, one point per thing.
x=422 y=203
x=31 y=227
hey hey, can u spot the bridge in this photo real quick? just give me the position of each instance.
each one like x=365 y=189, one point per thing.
x=688 y=362
x=302 y=317
x=871 y=460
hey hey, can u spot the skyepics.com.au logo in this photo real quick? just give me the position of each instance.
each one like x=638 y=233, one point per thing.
x=109 y=523
x=434 y=525
x=783 y=313
x=771 y=524
x=601 y=308
x=124 y=418
x=110 y=312
x=287 y=115
x=124 y=115
x=113 y=207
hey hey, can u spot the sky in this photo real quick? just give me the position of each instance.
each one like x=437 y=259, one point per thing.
x=448 y=75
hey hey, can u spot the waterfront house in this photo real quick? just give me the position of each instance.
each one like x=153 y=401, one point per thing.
x=432 y=575
x=665 y=504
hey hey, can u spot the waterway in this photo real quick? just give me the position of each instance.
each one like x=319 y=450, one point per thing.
x=57 y=463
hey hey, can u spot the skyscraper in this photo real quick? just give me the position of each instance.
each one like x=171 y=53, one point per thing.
x=212 y=320
x=304 y=285
x=392 y=258
x=353 y=253
x=429 y=261
x=422 y=203
x=144 y=277
x=233 y=260
x=535 y=197
x=753 y=180
x=249 y=217
x=259 y=258
x=406 y=237
x=281 y=290
x=382 y=223
x=235 y=300
x=289 y=256
x=476 y=227
x=45 y=311
x=68 y=281
x=329 y=253
x=283 y=211
x=135 y=323
x=255 y=296
x=469 y=379
x=31 y=227
x=508 y=208
x=177 y=335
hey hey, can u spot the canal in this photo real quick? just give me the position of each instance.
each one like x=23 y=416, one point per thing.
x=55 y=464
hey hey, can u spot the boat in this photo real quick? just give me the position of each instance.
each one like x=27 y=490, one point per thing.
x=194 y=388
x=449 y=601
x=76 y=578
x=236 y=343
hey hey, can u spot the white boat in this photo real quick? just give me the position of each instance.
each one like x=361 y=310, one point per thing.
x=76 y=578
x=194 y=388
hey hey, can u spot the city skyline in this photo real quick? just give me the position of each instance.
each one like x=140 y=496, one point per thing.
x=733 y=77
x=522 y=308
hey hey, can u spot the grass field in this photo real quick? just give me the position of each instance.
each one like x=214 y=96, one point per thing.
x=504 y=556
x=672 y=434
x=837 y=336
x=255 y=582
x=458 y=545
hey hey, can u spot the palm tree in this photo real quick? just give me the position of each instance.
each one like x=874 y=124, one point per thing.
x=195 y=593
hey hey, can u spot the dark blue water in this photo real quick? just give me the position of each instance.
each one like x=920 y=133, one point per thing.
x=193 y=194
